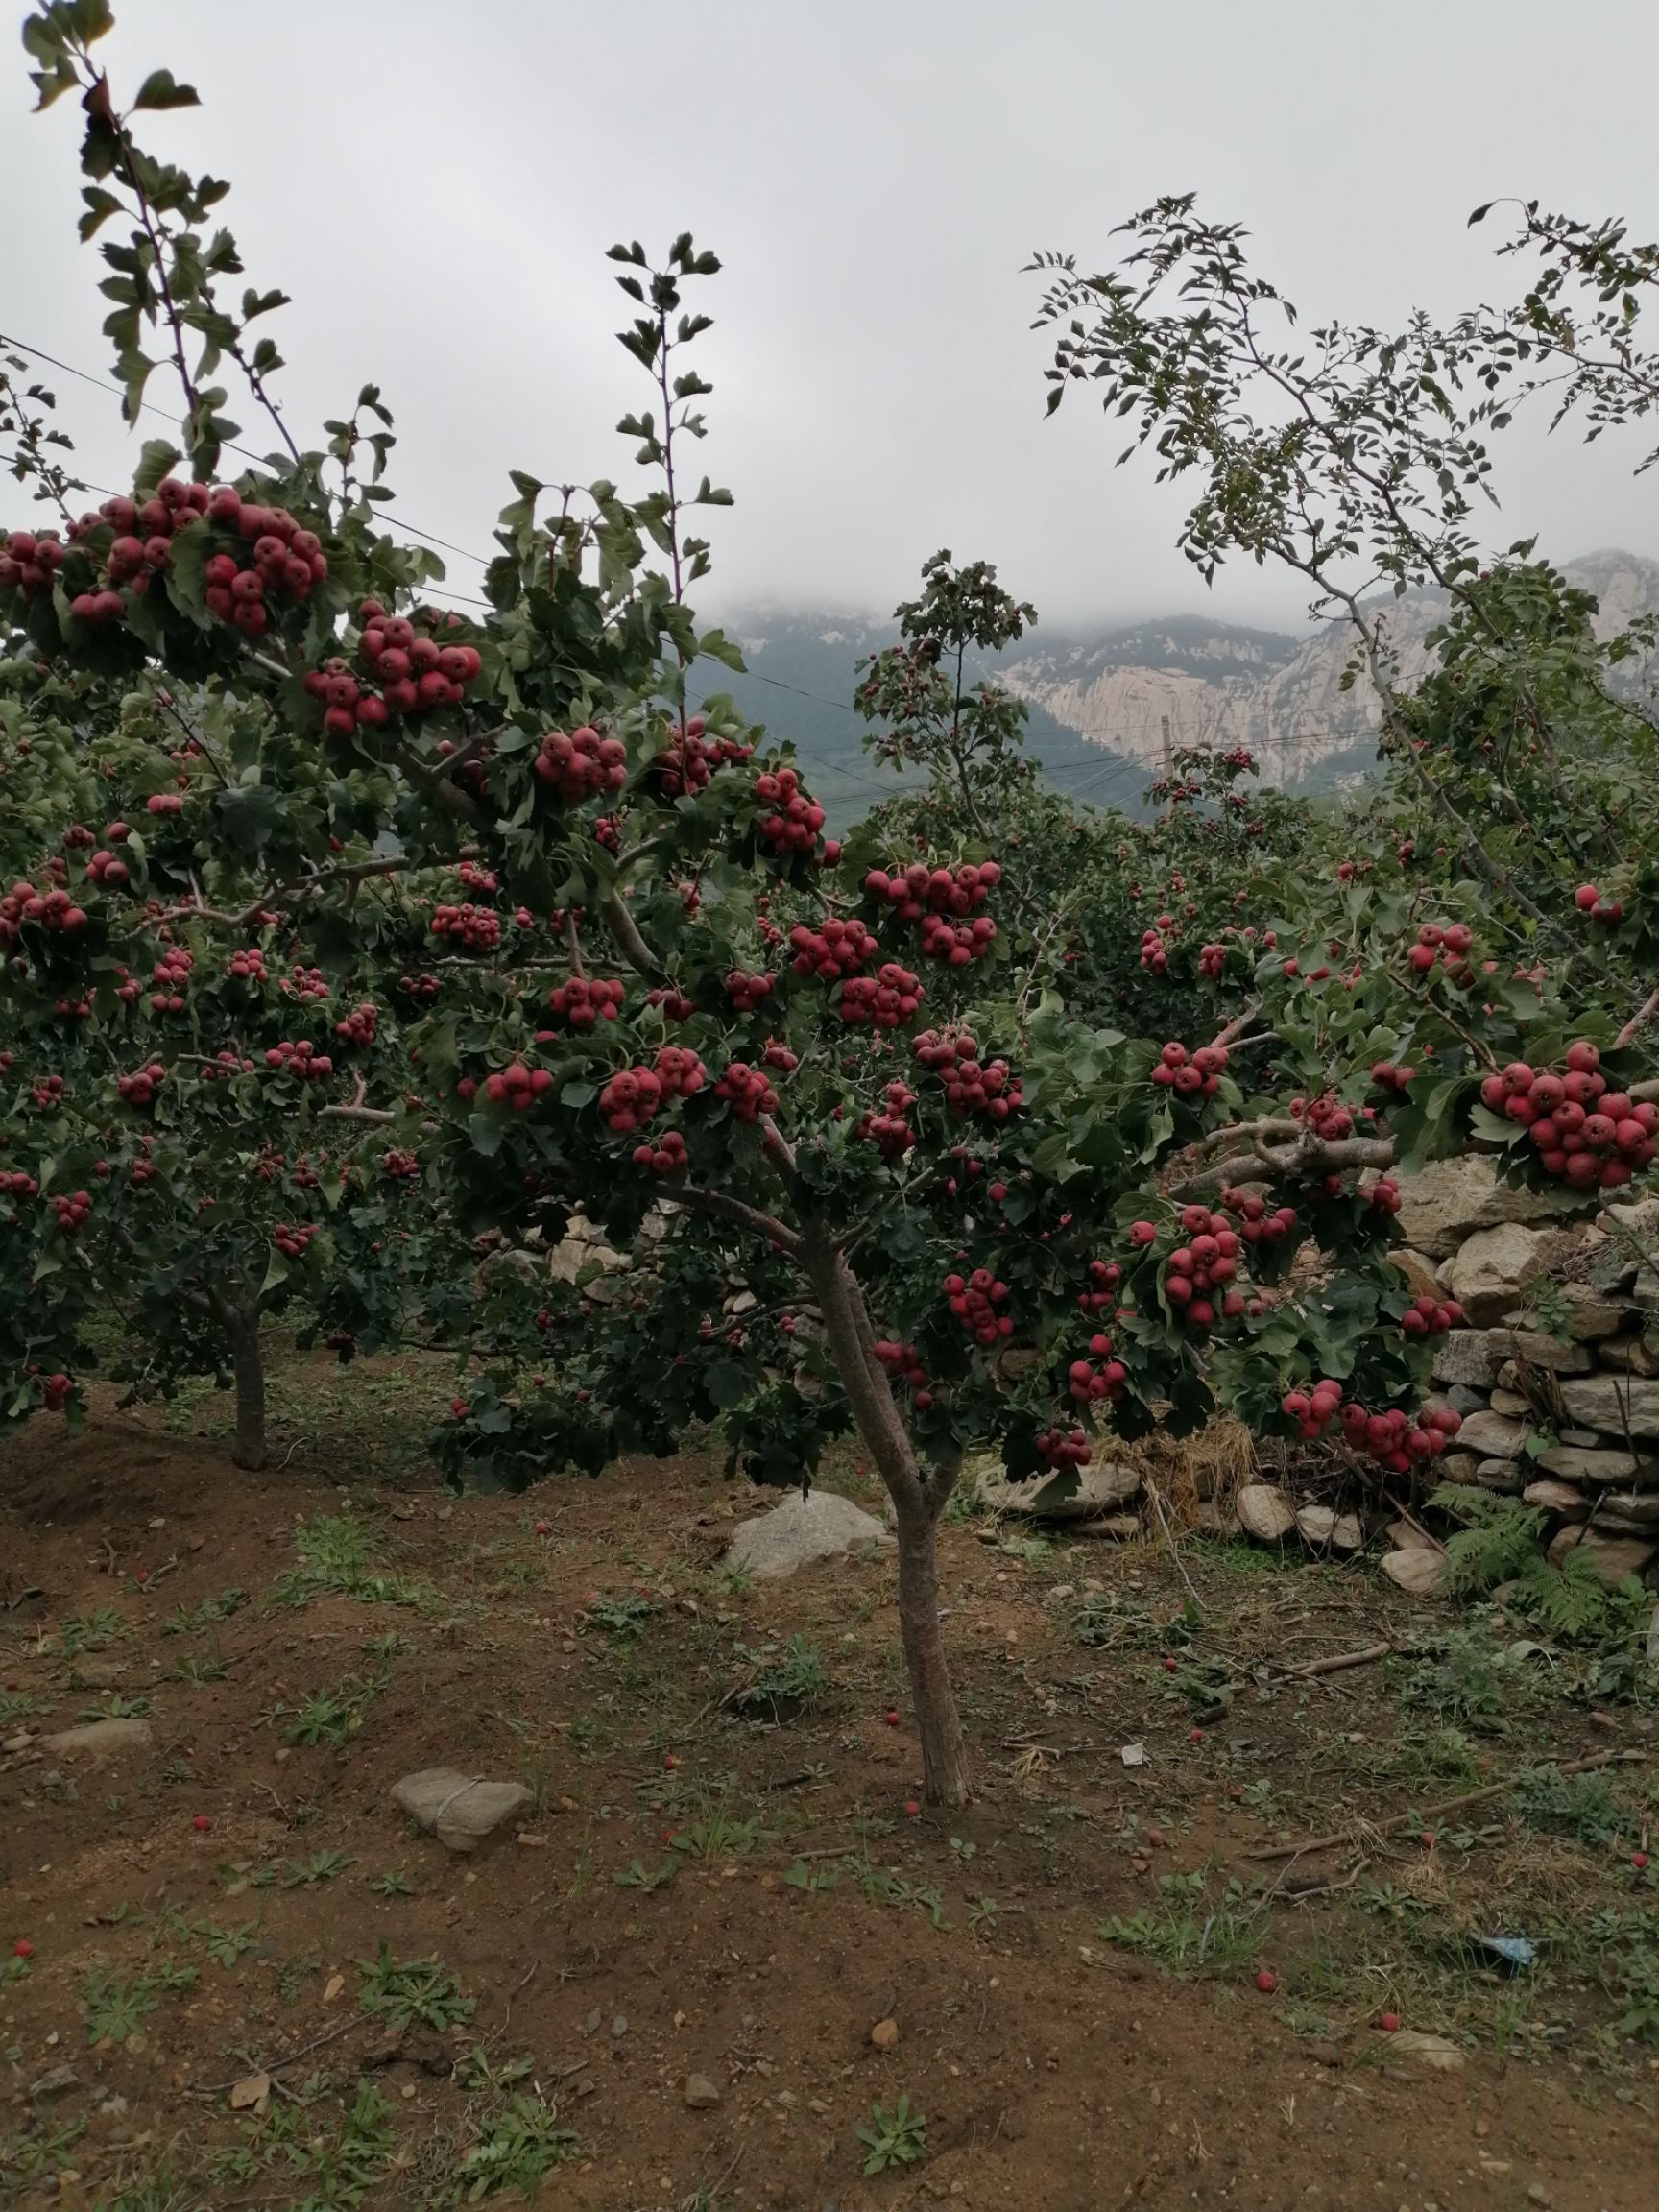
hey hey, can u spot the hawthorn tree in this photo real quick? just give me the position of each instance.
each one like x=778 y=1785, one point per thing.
x=878 y=1155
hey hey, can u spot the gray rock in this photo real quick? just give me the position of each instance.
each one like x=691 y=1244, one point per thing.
x=1557 y=1498
x=461 y=1809
x=54 y=2082
x=1493 y=1437
x=1587 y=1437
x=1628 y=1512
x=101 y=1738
x=1471 y=1357
x=800 y=1530
x=1591 y=1317
x=1629 y=1356
x=1511 y=1405
x=1265 y=1513
x=1443 y=1202
x=1573 y=1464
x=1504 y=1476
x=1463 y=1400
x=1326 y=1531
x=1616 y=1405
x=701 y=2094
x=1532 y=1348
x=1492 y=1268
x=1419 y=1271
x=1459 y=1467
x=1613 y=1557
x=1072 y=1494
x=1417 y=1570
x=1435 y=2051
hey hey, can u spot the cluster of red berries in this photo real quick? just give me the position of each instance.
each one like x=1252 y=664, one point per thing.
x=424 y=986
x=1104 y=1277
x=582 y=1002
x=358 y=1026
x=1065 y=1448
x=301 y=1059
x=667 y=1157
x=72 y=1212
x=1098 y=1377
x=47 y=1092
x=401 y=1166
x=477 y=878
x=1209 y=1263
x=1427 y=1316
x=416 y=673
x=918 y=889
x=796 y=819
x=284 y=558
x=747 y=1092
x=474 y=928
x=904 y=1362
x=1258 y=1222
x=1609 y=912
x=108 y=870
x=291 y=1242
x=680 y=1071
x=1154 y=952
x=630 y=1099
x=973 y=1300
x=989 y=1089
x=892 y=996
x=223 y=1066
x=581 y=764
x=164 y=803
x=142 y=1085
x=746 y=992
x=1385 y=1194
x=889 y=1129
x=1388 y=1076
x=690 y=759
x=248 y=964
x=1447 y=947
x=1212 y=960
x=1325 y=1117
x=1313 y=1410
x=52 y=909
x=779 y=1056
x=832 y=950
x=1194 y=1075
x=54 y=1392
x=674 y=1004
x=517 y=1087
x=1585 y=1132
x=28 y=562
x=16 y=1184
x=958 y=943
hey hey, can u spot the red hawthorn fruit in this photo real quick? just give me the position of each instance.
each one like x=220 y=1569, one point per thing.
x=1266 y=1980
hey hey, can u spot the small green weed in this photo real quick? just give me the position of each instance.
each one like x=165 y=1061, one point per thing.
x=89 y=1631
x=514 y=2146
x=184 y=1620
x=1189 y=1932
x=404 y=1991
x=623 y=1618
x=336 y=1556
x=1581 y=1807
x=332 y=1716
x=394 y=1882
x=322 y=1867
x=779 y=1685
x=115 y=2009
x=896 y=2138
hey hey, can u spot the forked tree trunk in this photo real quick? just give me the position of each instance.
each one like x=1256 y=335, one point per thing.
x=917 y=1501
x=248 y=1373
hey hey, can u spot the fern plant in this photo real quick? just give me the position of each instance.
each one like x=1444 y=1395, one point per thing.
x=1500 y=1539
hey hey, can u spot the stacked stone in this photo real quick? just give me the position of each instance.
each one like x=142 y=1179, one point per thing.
x=1566 y=1419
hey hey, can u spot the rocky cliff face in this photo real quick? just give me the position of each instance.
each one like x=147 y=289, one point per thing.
x=1216 y=686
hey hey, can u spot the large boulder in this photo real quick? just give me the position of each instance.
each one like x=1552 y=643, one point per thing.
x=100 y=1739
x=1613 y=1557
x=463 y=1811
x=1265 y=1513
x=1448 y=1200
x=1493 y=1435
x=1070 y=1494
x=1618 y=1405
x=1492 y=1269
x=799 y=1532
x=1582 y=1464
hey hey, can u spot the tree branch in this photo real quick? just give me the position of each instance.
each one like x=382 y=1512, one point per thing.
x=725 y=1209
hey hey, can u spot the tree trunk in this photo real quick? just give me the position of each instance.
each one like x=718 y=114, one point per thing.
x=917 y=1504
x=249 y=1371
x=943 y=1753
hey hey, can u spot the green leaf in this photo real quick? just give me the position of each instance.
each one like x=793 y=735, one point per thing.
x=277 y=1272
x=160 y=89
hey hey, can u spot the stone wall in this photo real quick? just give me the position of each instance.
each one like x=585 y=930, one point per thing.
x=1557 y=1374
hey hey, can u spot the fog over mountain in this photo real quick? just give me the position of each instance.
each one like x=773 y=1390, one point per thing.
x=1105 y=706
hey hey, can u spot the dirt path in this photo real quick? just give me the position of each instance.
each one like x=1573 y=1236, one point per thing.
x=693 y=1891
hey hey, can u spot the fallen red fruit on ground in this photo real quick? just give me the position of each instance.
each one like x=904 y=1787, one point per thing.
x=1266 y=1980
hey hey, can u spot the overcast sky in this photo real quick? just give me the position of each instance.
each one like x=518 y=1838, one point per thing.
x=435 y=182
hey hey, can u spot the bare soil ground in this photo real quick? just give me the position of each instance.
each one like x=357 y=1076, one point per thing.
x=717 y=1874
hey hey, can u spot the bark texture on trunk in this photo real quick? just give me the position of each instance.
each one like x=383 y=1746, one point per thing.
x=917 y=1501
x=248 y=1368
